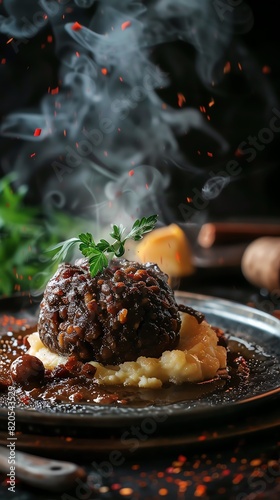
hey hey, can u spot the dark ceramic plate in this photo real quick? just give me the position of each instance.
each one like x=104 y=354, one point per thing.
x=252 y=332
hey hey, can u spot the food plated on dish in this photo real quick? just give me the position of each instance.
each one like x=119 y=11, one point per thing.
x=109 y=330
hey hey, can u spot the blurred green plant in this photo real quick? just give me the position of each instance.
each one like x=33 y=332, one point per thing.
x=26 y=233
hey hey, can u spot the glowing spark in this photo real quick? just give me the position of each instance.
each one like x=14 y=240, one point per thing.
x=237 y=478
x=104 y=71
x=266 y=70
x=37 y=132
x=211 y=103
x=49 y=38
x=178 y=257
x=200 y=490
x=55 y=91
x=131 y=173
x=239 y=66
x=181 y=99
x=227 y=67
x=202 y=109
x=209 y=154
x=126 y=491
x=9 y=41
x=238 y=152
x=76 y=26
x=125 y=25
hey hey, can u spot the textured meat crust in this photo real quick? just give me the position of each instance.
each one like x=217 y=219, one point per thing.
x=125 y=311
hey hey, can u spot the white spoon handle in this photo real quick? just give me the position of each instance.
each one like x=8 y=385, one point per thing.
x=53 y=475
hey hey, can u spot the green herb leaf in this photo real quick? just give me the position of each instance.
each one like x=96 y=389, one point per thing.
x=117 y=232
x=97 y=262
x=100 y=253
x=142 y=226
x=103 y=246
x=63 y=249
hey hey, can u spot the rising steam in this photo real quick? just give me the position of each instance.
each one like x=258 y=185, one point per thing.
x=105 y=131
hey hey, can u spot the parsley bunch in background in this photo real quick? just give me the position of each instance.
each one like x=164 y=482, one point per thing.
x=26 y=232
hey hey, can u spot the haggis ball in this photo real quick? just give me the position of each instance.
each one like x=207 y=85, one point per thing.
x=126 y=311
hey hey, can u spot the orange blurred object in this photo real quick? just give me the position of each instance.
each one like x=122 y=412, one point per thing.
x=169 y=248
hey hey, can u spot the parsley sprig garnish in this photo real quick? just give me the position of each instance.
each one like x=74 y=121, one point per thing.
x=99 y=254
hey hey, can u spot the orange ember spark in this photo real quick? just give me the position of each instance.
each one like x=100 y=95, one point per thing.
x=189 y=200
x=178 y=257
x=266 y=70
x=202 y=437
x=104 y=71
x=37 y=132
x=238 y=152
x=131 y=173
x=9 y=41
x=239 y=66
x=55 y=91
x=49 y=38
x=211 y=103
x=209 y=154
x=237 y=479
x=181 y=99
x=11 y=320
x=227 y=67
x=200 y=490
x=125 y=25
x=76 y=26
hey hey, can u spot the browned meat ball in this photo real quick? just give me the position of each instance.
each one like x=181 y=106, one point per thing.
x=125 y=311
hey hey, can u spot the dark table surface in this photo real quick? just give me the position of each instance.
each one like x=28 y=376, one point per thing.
x=236 y=459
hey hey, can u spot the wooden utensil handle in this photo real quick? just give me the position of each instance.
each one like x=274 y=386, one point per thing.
x=216 y=233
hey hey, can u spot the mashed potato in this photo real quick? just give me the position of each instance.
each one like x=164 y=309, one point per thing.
x=197 y=358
